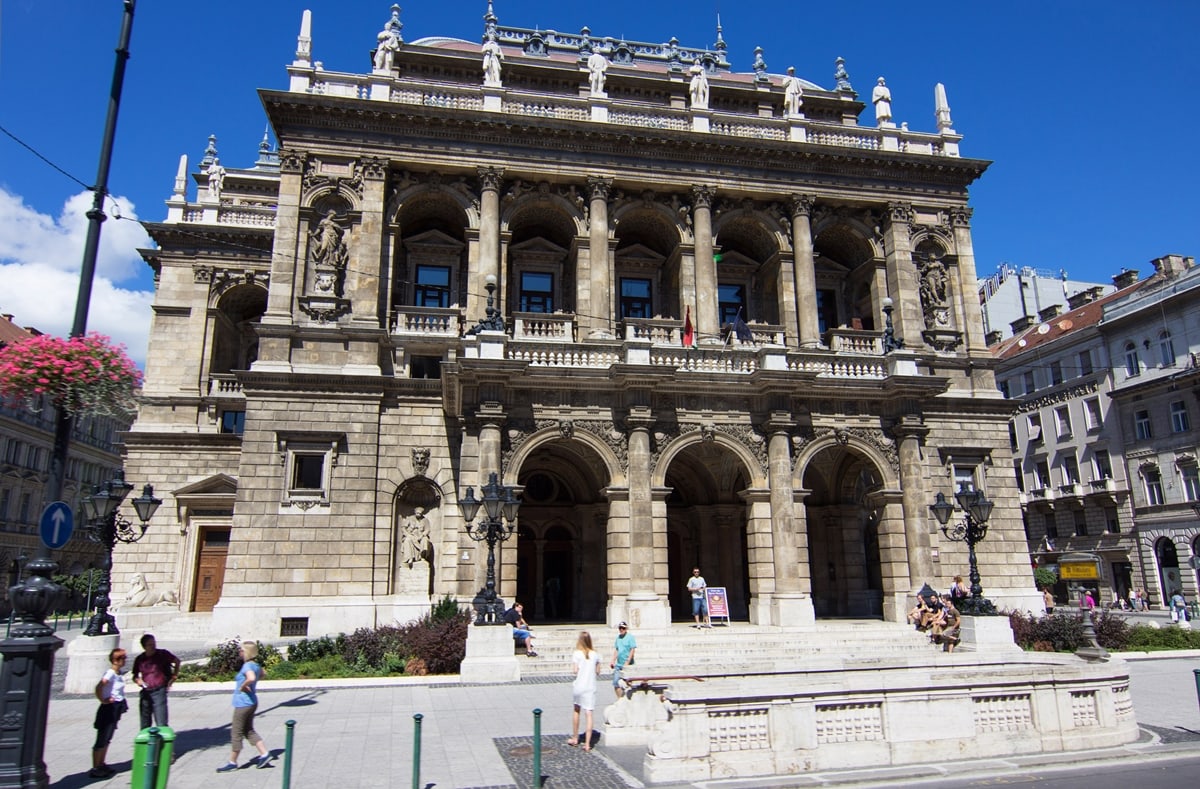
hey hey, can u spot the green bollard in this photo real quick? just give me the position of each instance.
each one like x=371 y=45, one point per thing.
x=150 y=776
x=1196 y=676
x=537 y=748
x=417 y=750
x=287 y=753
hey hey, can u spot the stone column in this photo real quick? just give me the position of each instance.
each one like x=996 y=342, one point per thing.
x=804 y=271
x=595 y=295
x=903 y=283
x=364 y=275
x=909 y=433
x=708 y=323
x=971 y=321
x=489 y=243
x=789 y=606
x=288 y=251
x=645 y=606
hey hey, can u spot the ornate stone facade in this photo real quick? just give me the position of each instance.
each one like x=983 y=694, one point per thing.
x=690 y=370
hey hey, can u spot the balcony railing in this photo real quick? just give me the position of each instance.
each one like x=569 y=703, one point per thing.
x=224 y=385
x=543 y=327
x=433 y=322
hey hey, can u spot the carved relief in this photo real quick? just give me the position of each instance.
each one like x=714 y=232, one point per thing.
x=874 y=436
x=292 y=161
x=420 y=460
x=321 y=176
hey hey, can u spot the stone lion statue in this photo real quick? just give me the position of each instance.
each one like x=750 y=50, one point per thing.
x=140 y=595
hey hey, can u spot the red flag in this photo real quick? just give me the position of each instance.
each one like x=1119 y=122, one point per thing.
x=689 y=334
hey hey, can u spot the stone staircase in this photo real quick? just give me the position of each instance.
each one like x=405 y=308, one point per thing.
x=736 y=648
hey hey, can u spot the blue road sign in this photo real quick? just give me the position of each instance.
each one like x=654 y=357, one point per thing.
x=56 y=525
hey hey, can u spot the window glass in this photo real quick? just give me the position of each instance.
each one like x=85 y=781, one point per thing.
x=537 y=292
x=308 y=472
x=1103 y=464
x=1180 y=423
x=1166 y=349
x=731 y=300
x=1091 y=408
x=1154 y=490
x=1085 y=363
x=635 y=298
x=1141 y=425
x=1132 y=363
x=432 y=288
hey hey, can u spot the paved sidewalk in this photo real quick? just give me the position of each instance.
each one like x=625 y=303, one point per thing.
x=358 y=733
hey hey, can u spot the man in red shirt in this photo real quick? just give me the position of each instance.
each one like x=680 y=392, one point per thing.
x=154 y=671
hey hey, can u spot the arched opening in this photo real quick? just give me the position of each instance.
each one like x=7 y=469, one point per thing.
x=747 y=271
x=843 y=534
x=541 y=254
x=417 y=522
x=235 y=343
x=647 y=265
x=1168 y=569
x=562 y=540
x=841 y=255
x=706 y=527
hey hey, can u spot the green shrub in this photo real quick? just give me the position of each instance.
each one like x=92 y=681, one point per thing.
x=307 y=650
x=445 y=610
x=1044 y=576
x=366 y=647
x=225 y=659
x=1112 y=630
x=1063 y=632
x=1143 y=638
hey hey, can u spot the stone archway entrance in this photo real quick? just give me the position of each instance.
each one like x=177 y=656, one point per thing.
x=843 y=534
x=706 y=527
x=561 y=572
x=1168 y=569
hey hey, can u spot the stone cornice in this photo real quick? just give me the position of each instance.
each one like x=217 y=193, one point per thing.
x=462 y=133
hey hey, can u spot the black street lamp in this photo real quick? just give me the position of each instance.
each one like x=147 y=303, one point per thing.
x=106 y=526
x=494 y=320
x=972 y=529
x=500 y=505
x=890 y=342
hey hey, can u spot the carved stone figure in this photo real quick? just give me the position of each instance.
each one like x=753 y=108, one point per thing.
x=420 y=460
x=492 y=56
x=328 y=246
x=414 y=538
x=792 y=93
x=140 y=595
x=385 y=51
x=597 y=69
x=698 y=86
x=881 y=97
x=934 y=279
x=216 y=179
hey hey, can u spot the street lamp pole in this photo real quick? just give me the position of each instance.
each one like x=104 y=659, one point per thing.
x=107 y=527
x=500 y=505
x=972 y=528
x=890 y=341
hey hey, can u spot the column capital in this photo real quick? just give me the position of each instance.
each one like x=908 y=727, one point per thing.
x=900 y=213
x=292 y=161
x=374 y=168
x=801 y=205
x=599 y=188
x=910 y=427
x=960 y=216
x=779 y=423
x=489 y=178
x=702 y=196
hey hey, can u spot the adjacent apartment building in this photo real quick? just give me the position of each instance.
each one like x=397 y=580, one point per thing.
x=696 y=316
x=1102 y=434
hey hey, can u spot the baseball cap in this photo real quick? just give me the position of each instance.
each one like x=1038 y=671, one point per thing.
x=622 y=624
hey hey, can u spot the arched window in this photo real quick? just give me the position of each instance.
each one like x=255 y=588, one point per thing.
x=1132 y=363
x=1166 y=349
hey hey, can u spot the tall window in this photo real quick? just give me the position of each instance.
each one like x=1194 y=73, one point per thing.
x=1070 y=470
x=1056 y=373
x=1141 y=426
x=1191 y=481
x=1166 y=349
x=1111 y=522
x=731 y=300
x=635 y=298
x=233 y=422
x=1091 y=411
x=1003 y=387
x=1085 y=362
x=826 y=310
x=1179 y=417
x=432 y=288
x=1043 y=474
x=1133 y=365
x=1035 y=429
x=537 y=292
x=1030 y=383
x=1103 y=464
x=1154 y=490
x=964 y=477
x=1062 y=419
x=1081 y=527
x=4 y=496
x=1020 y=475
x=1051 y=527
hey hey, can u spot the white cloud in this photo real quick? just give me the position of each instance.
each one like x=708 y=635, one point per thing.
x=40 y=260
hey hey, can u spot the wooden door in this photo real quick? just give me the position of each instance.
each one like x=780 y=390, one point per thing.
x=210 y=568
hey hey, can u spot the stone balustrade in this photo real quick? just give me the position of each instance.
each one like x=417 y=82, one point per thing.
x=224 y=385
x=426 y=322
x=542 y=327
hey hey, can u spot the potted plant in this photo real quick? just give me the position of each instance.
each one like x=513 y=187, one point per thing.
x=85 y=375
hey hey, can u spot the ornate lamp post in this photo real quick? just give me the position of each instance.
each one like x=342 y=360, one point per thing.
x=494 y=320
x=972 y=529
x=107 y=527
x=890 y=343
x=500 y=505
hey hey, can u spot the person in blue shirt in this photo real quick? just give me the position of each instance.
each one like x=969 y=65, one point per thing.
x=245 y=704
x=623 y=652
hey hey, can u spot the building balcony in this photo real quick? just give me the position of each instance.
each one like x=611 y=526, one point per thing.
x=1070 y=493
x=225 y=386
x=426 y=322
x=1107 y=491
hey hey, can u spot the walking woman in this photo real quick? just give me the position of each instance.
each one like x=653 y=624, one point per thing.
x=585 y=665
x=245 y=704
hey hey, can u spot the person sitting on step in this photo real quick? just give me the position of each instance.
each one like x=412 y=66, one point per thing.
x=522 y=632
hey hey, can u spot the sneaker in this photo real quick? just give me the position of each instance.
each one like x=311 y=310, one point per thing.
x=101 y=772
x=531 y=654
x=263 y=761
x=228 y=767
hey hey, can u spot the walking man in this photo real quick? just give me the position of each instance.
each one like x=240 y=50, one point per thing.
x=623 y=651
x=696 y=586
x=154 y=671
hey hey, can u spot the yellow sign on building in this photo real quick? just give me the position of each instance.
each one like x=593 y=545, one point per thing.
x=1078 y=571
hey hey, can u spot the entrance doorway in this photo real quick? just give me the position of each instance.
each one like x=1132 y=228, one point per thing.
x=210 y=567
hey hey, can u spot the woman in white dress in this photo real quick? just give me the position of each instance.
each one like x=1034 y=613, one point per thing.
x=585 y=665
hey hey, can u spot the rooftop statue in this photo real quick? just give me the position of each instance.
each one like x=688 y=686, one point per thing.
x=491 y=63
x=699 y=86
x=792 y=93
x=216 y=178
x=385 y=52
x=881 y=97
x=597 y=68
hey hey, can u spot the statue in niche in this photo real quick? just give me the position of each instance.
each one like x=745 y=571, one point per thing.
x=933 y=289
x=414 y=538
x=698 y=86
x=881 y=97
x=792 y=93
x=597 y=71
x=328 y=245
x=492 y=56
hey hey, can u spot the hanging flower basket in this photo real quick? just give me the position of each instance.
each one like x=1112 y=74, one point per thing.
x=81 y=375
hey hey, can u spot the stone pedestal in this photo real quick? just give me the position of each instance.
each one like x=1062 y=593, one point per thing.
x=490 y=655
x=87 y=660
x=988 y=635
x=792 y=610
x=642 y=612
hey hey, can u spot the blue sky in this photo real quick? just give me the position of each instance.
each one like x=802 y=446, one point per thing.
x=1086 y=109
